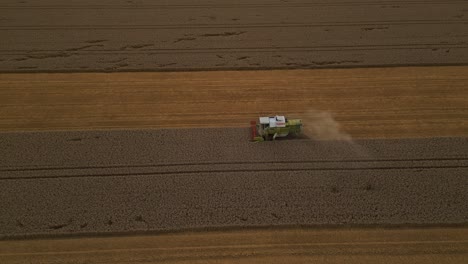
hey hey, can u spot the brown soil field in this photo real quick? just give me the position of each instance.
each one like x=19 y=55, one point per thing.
x=363 y=103
x=416 y=246
x=106 y=35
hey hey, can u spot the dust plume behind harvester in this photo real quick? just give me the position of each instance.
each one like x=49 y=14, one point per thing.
x=272 y=127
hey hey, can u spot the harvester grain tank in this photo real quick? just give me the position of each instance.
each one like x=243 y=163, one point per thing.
x=272 y=127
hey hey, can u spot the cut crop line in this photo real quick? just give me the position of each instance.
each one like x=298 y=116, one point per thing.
x=300 y=48
x=189 y=101
x=179 y=116
x=233 y=25
x=141 y=83
x=292 y=246
x=240 y=5
x=255 y=50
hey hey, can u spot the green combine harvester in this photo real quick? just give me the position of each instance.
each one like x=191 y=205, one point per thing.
x=270 y=128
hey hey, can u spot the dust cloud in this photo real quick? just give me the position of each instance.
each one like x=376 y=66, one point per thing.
x=321 y=125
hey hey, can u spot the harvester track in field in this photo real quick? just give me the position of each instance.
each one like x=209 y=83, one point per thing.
x=40 y=168
x=232 y=167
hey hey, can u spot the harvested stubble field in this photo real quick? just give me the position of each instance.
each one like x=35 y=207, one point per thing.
x=120 y=35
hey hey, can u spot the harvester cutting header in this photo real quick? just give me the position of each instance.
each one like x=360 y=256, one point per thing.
x=270 y=128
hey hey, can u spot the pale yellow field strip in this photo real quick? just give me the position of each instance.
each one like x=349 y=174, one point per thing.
x=440 y=245
x=367 y=102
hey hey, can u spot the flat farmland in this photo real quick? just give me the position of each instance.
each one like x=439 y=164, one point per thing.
x=181 y=140
x=124 y=131
x=105 y=35
x=141 y=164
x=363 y=103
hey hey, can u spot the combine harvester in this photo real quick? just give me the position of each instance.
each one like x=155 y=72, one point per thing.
x=269 y=128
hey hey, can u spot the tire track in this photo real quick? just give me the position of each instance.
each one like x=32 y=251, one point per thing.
x=228 y=163
x=211 y=171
